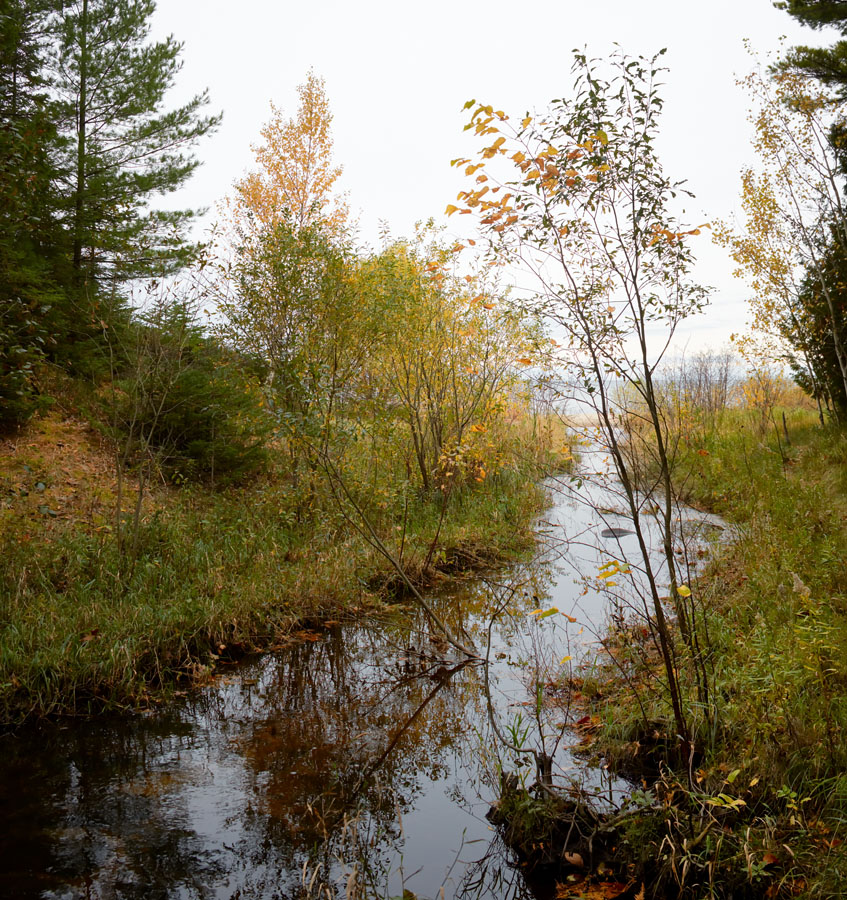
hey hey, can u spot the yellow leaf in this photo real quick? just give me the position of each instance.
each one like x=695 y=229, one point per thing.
x=533 y=174
x=566 y=659
x=488 y=305
x=451 y=209
x=683 y=590
x=518 y=157
x=526 y=121
x=525 y=361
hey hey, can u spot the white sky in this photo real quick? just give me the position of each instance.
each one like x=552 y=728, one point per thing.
x=397 y=75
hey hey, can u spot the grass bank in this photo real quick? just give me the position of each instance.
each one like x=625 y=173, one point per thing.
x=761 y=808
x=88 y=622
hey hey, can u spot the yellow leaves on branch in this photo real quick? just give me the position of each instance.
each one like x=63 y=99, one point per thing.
x=541 y=165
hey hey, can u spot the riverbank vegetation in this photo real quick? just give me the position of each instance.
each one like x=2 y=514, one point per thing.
x=205 y=447
x=759 y=807
x=196 y=438
x=720 y=692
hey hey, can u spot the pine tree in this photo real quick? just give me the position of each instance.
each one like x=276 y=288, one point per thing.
x=123 y=148
x=828 y=64
x=30 y=233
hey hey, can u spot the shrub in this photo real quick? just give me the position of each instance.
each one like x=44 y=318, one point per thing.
x=188 y=403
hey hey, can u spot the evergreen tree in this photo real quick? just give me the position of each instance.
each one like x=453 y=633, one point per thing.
x=30 y=233
x=123 y=148
x=828 y=64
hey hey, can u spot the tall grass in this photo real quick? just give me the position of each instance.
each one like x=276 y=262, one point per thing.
x=771 y=759
x=216 y=574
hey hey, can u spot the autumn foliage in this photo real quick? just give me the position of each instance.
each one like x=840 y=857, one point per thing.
x=296 y=174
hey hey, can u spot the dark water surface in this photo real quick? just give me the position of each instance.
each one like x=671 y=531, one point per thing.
x=358 y=757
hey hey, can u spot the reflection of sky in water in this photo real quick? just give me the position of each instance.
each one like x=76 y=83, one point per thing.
x=349 y=746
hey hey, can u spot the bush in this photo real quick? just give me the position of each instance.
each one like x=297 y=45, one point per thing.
x=188 y=403
x=21 y=349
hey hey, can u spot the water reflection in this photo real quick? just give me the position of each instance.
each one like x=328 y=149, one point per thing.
x=351 y=747
x=357 y=757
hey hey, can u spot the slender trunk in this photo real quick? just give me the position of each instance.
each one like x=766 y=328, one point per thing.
x=79 y=192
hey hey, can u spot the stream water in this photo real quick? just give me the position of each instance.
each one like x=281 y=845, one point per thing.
x=359 y=753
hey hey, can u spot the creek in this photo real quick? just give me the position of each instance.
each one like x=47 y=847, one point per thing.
x=358 y=754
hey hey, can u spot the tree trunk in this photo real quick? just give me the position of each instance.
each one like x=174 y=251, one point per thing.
x=82 y=112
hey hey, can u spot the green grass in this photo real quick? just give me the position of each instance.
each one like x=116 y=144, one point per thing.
x=83 y=627
x=774 y=604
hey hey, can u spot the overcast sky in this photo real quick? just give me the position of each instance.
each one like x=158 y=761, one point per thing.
x=397 y=75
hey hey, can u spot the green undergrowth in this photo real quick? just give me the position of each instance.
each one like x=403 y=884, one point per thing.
x=87 y=625
x=771 y=742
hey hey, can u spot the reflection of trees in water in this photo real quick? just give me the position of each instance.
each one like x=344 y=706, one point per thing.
x=90 y=817
x=342 y=746
x=307 y=757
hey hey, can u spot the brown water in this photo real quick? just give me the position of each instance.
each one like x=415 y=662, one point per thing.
x=360 y=756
